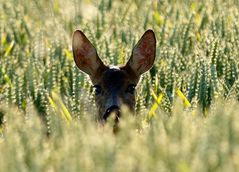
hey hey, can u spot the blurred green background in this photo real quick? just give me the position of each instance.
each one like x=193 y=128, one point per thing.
x=193 y=127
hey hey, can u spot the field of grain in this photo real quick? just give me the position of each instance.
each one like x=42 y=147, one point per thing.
x=187 y=111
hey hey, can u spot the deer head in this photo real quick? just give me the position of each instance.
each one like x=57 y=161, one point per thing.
x=114 y=86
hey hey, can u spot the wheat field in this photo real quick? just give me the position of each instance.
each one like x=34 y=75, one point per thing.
x=187 y=105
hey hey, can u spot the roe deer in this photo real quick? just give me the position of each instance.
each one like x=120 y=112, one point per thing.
x=114 y=86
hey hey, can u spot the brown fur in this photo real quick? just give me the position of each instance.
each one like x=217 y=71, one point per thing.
x=115 y=86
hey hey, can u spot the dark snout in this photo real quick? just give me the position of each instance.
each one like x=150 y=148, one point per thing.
x=112 y=110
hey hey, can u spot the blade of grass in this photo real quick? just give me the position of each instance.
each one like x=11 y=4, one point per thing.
x=9 y=48
x=185 y=100
x=59 y=107
x=158 y=100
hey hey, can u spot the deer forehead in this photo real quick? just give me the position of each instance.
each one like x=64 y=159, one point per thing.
x=114 y=78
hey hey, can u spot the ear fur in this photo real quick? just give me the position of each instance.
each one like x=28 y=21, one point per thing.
x=143 y=54
x=85 y=54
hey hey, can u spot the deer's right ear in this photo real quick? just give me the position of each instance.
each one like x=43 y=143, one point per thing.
x=85 y=54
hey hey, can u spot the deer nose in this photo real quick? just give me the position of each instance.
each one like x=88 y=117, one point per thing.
x=112 y=109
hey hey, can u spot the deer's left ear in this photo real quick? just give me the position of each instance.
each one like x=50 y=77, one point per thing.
x=143 y=54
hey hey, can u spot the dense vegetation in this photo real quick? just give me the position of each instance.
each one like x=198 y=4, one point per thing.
x=187 y=105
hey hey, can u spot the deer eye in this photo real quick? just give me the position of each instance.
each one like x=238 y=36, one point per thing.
x=131 y=89
x=98 y=89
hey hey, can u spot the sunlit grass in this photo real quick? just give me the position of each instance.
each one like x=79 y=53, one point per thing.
x=179 y=143
x=187 y=105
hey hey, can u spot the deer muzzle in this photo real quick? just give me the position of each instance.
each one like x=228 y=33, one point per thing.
x=112 y=110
